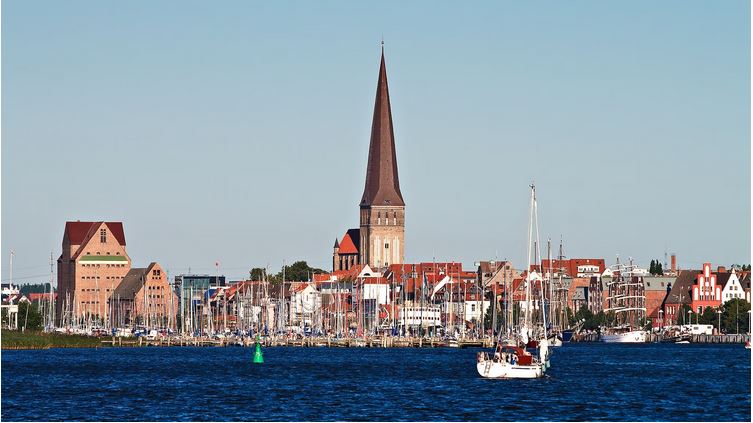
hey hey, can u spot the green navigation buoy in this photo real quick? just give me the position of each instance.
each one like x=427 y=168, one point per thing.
x=258 y=356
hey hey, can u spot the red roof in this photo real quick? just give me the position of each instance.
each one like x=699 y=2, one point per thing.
x=347 y=246
x=570 y=266
x=36 y=296
x=453 y=269
x=78 y=232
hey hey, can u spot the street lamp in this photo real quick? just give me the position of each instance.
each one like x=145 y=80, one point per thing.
x=719 y=321
x=690 y=318
x=661 y=321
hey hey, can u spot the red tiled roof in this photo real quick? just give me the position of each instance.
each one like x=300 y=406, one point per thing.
x=347 y=246
x=448 y=268
x=36 y=296
x=570 y=266
x=78 y=232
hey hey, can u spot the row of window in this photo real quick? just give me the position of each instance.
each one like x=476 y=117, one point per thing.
x=99 y=265
x=95 y=290
x=107 y=253
x=386 y=218
x=102 y=277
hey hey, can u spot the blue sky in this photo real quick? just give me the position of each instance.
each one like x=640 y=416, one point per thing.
x=238 y=131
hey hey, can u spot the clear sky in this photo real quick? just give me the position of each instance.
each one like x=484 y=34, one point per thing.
x=238 y=131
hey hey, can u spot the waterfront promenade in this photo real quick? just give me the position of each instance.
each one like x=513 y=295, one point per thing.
x=363 y=342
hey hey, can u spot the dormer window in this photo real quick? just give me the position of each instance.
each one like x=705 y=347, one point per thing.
x=103 y=235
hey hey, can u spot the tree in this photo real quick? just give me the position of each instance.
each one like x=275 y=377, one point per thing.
x=652 y=267
x=708 y=317
x=298 y=271
x=735 y=316
x=489 y=318
x=257 y=273
x=32 y=320
x=682 y=315
x=738 y=267
x=570 y=317
x=34 y=288
x=659 y=269
x=591 y=321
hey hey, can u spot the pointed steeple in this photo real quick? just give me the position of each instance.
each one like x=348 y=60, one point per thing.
x=382 y=183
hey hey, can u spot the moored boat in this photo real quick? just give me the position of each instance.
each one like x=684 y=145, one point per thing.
x=627 y=300
x=509 y=362
x=634 y=336
x=522 y=351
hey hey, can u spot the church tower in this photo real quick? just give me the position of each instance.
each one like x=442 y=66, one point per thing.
x=382 y=229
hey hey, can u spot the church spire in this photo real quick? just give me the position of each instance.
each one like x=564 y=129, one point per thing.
x=382 y=183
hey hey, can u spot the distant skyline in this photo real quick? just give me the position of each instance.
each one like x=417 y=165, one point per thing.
x=238 y=132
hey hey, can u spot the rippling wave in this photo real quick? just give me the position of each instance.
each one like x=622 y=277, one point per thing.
x=586 y=382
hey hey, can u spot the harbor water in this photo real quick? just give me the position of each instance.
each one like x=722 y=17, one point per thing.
x=587 y=381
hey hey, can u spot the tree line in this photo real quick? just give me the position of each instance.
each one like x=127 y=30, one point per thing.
x=299 y=271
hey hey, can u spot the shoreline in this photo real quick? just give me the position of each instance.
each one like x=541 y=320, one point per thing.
x=37 y=341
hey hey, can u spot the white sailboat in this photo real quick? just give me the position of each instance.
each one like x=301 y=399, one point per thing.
x=512 y=358
x=627 y=300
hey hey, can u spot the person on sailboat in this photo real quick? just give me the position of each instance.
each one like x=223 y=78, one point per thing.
x=498 y=352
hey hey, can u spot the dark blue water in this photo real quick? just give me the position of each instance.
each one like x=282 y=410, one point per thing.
x=586 y=382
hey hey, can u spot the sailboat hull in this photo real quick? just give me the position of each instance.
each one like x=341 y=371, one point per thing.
x=500 y=370
x=555 y=341
x=634 y=336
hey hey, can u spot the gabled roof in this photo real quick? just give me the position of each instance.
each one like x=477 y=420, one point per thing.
x=79 y=232
x=131 y=284
x=347 y=245
x=722 y=279
x=682 y=286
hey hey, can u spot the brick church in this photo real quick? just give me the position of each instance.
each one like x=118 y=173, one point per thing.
x=380 y=239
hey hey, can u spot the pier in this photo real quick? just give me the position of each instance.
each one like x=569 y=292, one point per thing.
x=694 y=339
x=383 y=342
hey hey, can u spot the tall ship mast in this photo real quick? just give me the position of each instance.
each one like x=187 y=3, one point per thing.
x=626 y=301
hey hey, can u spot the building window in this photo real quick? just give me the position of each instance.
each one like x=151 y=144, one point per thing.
x=103 y=235
x=379 y=218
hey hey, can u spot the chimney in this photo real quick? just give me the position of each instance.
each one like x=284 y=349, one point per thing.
x=674 y=263
x=721 y=269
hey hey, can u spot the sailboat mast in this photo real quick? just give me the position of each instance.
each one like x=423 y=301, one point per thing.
x=549 y=278
x=538 y=262
x=526 y=316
